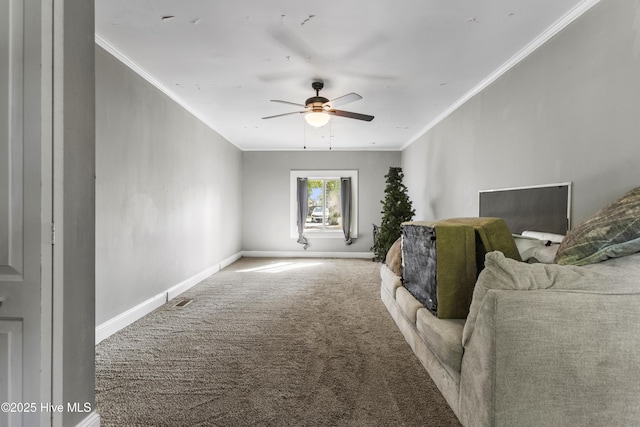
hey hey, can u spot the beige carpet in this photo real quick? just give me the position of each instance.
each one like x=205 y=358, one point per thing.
x=269 y=342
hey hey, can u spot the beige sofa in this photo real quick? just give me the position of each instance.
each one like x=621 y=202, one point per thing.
x=543 y=345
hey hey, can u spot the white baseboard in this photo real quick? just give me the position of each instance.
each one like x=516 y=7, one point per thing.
x=298 y=254
x=126 y=318
x=122 y=320
x=113 y=325
x=176 y=290
x=92 y=420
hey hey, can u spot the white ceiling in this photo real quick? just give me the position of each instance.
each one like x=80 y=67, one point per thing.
x=412 y=61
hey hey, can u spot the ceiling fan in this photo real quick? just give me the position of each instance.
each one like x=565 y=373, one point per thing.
x=318 y=109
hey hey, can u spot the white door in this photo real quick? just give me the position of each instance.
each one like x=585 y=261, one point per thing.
x=25 y=199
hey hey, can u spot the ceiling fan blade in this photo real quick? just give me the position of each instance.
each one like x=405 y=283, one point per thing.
x=350 y=115
x=287 y=102
x=285 y=114
x=344 y=99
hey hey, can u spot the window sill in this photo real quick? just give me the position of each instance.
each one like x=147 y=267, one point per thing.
x=319 y=234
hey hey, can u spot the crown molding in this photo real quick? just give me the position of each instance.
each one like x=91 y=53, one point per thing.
x=545 y=36
x=106 y=45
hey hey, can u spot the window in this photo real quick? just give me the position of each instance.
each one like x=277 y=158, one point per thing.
x=323 y=212
x=324 y=216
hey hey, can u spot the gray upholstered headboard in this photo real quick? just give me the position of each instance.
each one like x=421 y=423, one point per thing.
x=543 y=208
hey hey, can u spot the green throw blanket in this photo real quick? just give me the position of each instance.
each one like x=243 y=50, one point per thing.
x=442 y=260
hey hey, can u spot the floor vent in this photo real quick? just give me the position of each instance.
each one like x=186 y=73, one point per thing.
x=184 y=302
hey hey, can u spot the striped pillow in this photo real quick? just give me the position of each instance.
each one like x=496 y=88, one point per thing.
x=612 y=232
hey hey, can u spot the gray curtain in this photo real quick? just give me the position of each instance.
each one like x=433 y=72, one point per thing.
x=302 y=197
x=345 y=207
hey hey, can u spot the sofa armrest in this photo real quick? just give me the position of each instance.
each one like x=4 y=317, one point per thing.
x=553 y=357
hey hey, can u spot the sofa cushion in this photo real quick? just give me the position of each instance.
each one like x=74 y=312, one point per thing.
x=394 y=257
x=617 y=275
x=390 y=281
x=408 y=304
x=614 y=231
x=444 y=339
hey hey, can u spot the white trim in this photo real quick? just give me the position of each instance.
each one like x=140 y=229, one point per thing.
x=526 y=187
x=121 y=321
x=545 y=36
x=49 y=335
x=126 y=318
x=187 y=284
x=12 y=331
x=92 y=420
x=301 y=254
x=115 y=324
x=554 y=29
x=353 y=149
x=323 y=234
x=106 y=45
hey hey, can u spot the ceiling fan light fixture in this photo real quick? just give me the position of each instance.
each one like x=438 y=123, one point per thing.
x=317 y=119
x=319 y=109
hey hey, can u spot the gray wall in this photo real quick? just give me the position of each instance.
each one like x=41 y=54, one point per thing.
x=167 y=191
x=265 y=220
x=569 y=112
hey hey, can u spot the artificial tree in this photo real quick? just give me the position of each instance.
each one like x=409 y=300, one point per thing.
x=396 y=209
